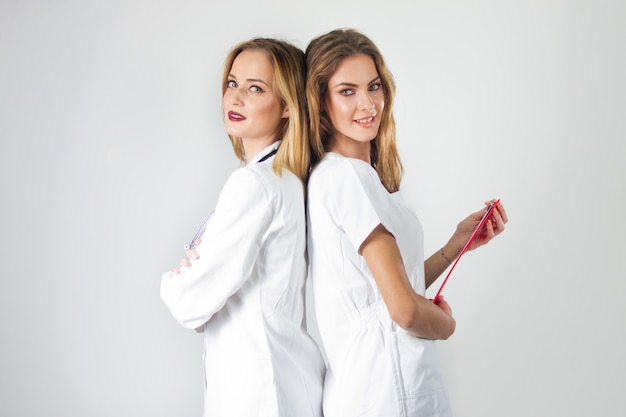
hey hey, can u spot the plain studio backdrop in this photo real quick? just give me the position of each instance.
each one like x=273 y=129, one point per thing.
x=113 y=152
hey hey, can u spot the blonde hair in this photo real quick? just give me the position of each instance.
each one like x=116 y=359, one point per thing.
x=323 y=56
x=288 y=63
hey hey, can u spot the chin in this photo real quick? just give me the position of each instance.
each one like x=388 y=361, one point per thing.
x=231 y=131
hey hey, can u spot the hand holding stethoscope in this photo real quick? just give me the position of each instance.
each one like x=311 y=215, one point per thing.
x=191 y=255
x=190 y=248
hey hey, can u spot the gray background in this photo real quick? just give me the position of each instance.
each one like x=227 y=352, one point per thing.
x=113 y=152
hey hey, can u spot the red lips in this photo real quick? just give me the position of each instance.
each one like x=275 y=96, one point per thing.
x=235 y=117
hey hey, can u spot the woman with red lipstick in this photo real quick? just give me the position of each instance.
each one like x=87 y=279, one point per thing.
x=365 y=247
x=242 y=282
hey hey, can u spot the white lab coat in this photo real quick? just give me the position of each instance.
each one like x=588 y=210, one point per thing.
x=375 y=368
x=245 y=293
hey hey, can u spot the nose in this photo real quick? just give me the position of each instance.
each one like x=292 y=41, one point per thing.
x=234 y=96
x=367 y=104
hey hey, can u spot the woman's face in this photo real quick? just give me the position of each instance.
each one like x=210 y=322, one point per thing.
x=251 y=109
x=355 y=102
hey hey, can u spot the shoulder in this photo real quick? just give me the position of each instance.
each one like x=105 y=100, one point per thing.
x=246 y=177
x=246 y=185
x=335 y=171
x=336 y=167
x=333 y=161
x=260 y=181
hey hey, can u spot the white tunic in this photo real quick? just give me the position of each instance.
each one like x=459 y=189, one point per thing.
x=245 y=292
x=375 y=368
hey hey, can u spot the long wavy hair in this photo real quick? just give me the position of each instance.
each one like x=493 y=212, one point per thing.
x=288 y=63
x=323 y=56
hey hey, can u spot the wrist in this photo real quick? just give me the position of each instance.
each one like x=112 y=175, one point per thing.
x=453 y=248
x=442 y=253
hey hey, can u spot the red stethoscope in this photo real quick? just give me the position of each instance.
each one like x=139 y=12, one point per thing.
x=490 y=208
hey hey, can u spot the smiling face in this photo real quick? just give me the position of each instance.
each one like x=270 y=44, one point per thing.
x=354 y=103
x=252 y=111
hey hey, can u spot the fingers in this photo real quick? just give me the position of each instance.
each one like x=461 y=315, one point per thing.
x=191 y=251
x=492 y=201
x=502 y=212
x=499 y=208
x=442 y=304
x=191 y=254
x=185 y=262
x=497 y=222
x=499 y=218
x=491 y=227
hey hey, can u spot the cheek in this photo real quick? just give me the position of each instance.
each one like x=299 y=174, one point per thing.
x=269 y=106
x=269 y=113
x=380 y=103
x=338 y=110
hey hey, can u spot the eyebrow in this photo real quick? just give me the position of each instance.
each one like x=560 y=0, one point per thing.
x=377 y=78
x=251 y=80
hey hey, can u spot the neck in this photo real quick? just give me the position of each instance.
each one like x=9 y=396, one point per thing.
x=252 y=147
x=354 y=150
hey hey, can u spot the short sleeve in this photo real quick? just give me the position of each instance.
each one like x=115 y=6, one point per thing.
x=357 y=200
x=227 y=254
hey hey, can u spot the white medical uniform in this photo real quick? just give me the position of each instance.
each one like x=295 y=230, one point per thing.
x=375 y=368
x=245 y=292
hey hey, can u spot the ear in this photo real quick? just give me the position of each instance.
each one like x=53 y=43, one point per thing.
x=285 y=113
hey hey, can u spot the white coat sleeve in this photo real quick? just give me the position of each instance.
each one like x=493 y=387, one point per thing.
x=361 y=203
x=227 y=254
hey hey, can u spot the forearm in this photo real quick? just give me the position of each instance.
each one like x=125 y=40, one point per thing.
x=192 y=298
x=438 y=262
x=201 y=289
x=429 y=321
x=411 y=311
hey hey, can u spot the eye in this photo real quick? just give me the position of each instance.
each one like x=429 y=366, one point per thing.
x=231 y=84
x=346 y=92
x=375 y=87
x=256 y=89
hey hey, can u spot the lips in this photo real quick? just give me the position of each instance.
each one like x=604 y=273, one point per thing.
x=366 y=122
x=235 y=117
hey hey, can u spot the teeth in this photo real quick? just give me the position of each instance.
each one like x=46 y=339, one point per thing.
x=366 y=120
